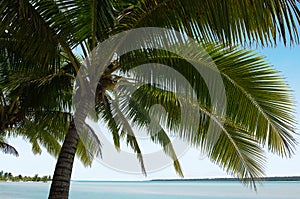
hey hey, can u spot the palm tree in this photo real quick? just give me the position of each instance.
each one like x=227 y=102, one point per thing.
x=51 y=31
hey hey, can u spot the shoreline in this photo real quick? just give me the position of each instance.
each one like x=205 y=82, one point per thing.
x=264 y=179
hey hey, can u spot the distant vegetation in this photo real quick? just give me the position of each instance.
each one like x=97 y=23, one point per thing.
x=287 y=178
x=7 y=176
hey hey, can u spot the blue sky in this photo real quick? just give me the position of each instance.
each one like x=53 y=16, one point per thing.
x=284 y=59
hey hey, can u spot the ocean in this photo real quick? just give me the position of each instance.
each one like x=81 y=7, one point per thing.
x=154 y=190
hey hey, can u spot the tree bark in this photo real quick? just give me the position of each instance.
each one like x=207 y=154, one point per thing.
x=62 y=175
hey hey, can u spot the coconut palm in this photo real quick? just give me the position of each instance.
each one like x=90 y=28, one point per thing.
x=41 y=38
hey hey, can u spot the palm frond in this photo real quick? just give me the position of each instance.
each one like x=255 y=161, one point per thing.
x=260 y=22
x=266 y=117
x=246 y=160
x=241 y=148
x=264 y=94
x=127 y=132
x=6 y=148
x=93 y=20
x=138 y=112
x=246 y=77
x=89 y=145
x=104 y=109
x=43 y=128
x=39 y=29
x=48 y=90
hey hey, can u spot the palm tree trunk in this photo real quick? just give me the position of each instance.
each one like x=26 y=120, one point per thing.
x=62 y=175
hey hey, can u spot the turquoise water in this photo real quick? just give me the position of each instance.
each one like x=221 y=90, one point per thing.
x=157 y=190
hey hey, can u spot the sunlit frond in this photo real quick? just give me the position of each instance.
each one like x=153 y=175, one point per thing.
x=266 y=117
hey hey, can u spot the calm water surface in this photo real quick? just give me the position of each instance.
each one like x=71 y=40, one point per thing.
x=157 y=190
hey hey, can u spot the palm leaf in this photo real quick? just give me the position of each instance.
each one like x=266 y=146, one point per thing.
x=266 y=117
x=103 y=108
x=248 y=78
x=128 y=133
x=139 y=115
x=37 y=29
x=243 y=21
x=234 y=149
x=6 y=148
x=89 y=146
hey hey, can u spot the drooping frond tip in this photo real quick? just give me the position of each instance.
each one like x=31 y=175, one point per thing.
x=8 y=149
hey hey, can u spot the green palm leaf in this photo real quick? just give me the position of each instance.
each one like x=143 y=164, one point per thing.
x=128 y=133
x=243 y=21
x=247 y=79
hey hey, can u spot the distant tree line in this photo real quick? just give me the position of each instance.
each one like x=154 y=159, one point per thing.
x=7 y=176
x=282 y=178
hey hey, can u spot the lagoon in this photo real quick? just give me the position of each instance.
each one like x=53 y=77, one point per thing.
x=157 y=190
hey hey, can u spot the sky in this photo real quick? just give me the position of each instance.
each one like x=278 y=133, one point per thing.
x=284 y=59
